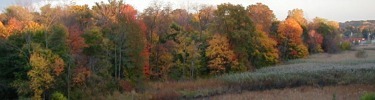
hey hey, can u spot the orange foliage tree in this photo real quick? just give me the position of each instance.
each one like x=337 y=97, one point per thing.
x=262 y=16
x=290 y=41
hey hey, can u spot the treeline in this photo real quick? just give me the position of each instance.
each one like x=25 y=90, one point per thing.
x=359 y=29
x=77 y=52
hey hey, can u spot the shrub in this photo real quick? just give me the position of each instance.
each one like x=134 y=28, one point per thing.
x=346 y=46
x=368 y=96
x=58 y=96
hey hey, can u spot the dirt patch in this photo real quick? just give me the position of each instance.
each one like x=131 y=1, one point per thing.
x=342 y=92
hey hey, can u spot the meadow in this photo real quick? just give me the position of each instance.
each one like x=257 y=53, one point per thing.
x=331 y=75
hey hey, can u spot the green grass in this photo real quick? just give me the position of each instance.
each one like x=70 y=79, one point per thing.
x=368 y=96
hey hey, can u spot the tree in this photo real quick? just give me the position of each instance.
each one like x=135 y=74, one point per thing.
x=315 y=42
x=330 y=37
x=204 y=17
x=50 y=16
x=289 y=40
x=263 y=50
x=13 y=26
x=58 y=40
x=45 y=66
x=232 y=21
x=262 y=16
x=18 y=12
x=75 y=42
x=186 y=49
x=182 y=17
x=3 y=31
x=221 y=58
x=243 y=37
x=297 y=15
x=81 y=16
x=164 y=63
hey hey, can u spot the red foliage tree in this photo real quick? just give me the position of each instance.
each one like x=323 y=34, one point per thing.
x=75 y=41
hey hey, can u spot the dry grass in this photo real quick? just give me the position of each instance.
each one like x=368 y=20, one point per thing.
x=188 y=85
x=346 y=56
x=279 y=82
x=342 y=92
x=185 y=89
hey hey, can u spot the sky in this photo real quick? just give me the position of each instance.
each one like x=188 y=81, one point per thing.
x=336 y=10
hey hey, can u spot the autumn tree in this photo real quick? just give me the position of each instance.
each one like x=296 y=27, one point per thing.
x=243 y=37
x=186 y=50
x=297 y=15
x=289 y=40
x=182 y=17
x=13 y=26
x=157 y=19
x=163 y=58
x=315 y=42
x=135 y=43
x=331 y=37
x=50 y=16
x=80 y=16
x=232 y=21
x=262 y=16
x=45 y=67
x=221 y=58
x=3 y=31
x=204 y=17
x=263 y=51
x=19 y=13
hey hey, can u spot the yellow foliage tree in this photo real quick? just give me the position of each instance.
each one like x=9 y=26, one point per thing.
x=3 y=31
x=221 y=57
x=45 y=66
x=31 y=26
x=297 y=14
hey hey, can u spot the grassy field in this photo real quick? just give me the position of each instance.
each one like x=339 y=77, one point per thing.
x=330 y=74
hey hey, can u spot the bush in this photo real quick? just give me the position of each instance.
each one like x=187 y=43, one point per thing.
x=58 y=96
x=346 y=46
x=368 y=96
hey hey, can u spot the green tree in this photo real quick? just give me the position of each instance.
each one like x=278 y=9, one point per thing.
x=331 y=38
x=58 y=40
x=243 y=38
x=232 y=21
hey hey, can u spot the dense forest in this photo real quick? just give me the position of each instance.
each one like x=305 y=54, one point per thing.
x=78 y=51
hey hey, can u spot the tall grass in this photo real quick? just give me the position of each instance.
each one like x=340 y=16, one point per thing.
x=317 y=70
